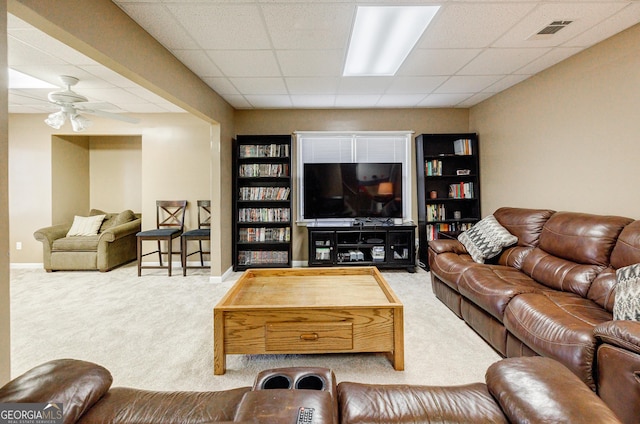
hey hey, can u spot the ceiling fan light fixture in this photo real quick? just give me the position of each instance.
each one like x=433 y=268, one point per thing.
x=56 y=119
x=79 y=123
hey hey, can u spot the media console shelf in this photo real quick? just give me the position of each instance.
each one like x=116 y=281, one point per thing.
x=384 y=246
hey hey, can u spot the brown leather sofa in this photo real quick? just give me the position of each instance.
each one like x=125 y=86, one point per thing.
x=517 y=390
x=551 y=294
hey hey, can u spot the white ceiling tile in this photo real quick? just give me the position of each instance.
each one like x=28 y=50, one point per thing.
x=400 y=100
x=314 y=26
x=106 y=74
x=266 y=101
x=444 y=100
x=245 y=63
x=223 y=26
x=363 y=85
x=199 y=62
x=221 y=86
x=298 y=85
x=357 y=101
x=43 y=43
x=238 y=101
x=112 y=95
x=472 y=25
x=475 y=99
x=549 y=59
x=625 y=18
x=583 y=17
x=21 y=53
x=504 y=83
x=313 y=101
x=412 y=85
x=161 y=24
x=467 y=84
x=437 y=62
x=259 y=86
x=501 y=61
x=143 y=108
x=310 y=63
x=51 y=73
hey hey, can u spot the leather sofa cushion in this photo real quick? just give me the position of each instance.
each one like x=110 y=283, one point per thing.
x=449 y=267
x=492 y=287
x=560 y=274
x=558 y=325
x=627 y=249
x=573 y=249
x=84 y=243
x=526 y=224
x=581 y=238
x=540 y=390
x=123 y=405
x=369 y=403
x=76 y=384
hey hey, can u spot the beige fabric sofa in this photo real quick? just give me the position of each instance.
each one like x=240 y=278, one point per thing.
x=114 y=245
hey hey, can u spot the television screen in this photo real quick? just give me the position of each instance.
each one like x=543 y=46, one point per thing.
x=352 y=190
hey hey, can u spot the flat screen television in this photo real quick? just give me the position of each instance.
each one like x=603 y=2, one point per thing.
x=352 y=190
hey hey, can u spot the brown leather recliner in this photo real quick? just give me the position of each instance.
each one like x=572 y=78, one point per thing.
x=517 y=390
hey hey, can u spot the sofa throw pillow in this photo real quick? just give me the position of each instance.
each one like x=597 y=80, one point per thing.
x=486 y=239
x=626 y=304
x=125 y=216
x=85 y=225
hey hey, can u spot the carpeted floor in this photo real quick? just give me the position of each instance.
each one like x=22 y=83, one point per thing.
x=155 y=332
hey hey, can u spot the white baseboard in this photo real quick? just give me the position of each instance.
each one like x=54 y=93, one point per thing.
x=26 y=265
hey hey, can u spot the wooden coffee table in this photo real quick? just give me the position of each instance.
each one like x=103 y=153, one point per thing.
x=309 y=310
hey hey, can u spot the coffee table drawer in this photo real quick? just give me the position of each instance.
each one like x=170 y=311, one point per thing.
x=296 y=337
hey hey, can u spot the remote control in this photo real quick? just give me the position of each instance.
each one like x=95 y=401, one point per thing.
x=305 y=415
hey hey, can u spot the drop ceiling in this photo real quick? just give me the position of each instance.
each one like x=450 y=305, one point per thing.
x=289 y=54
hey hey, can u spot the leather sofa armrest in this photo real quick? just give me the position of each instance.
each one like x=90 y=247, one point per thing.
x=49 y=234
x=122 y=230
x=447 y=245
x=541 y=390
x=78 y=385
x=624 y=334
x=281 y=406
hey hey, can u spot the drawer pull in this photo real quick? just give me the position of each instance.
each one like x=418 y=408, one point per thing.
x=310 y=337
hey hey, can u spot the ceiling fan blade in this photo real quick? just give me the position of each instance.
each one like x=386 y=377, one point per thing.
x=116 y=116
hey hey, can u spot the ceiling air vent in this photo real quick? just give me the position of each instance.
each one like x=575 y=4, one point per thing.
x=549 y=30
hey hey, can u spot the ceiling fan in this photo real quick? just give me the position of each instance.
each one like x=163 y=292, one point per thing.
x=71 y=103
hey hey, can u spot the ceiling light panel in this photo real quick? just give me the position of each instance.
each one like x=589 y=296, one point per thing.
x=382 y=37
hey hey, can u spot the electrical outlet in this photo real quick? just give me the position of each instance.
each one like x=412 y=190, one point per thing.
x=18 y=245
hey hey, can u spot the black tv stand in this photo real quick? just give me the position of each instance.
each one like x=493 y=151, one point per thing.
x=383 y=246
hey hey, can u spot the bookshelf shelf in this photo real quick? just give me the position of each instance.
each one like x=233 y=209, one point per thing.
x=448 y=184
x=261 y=201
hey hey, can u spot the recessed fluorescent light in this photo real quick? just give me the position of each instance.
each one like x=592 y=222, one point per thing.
x=20 y=80
x=383 y=36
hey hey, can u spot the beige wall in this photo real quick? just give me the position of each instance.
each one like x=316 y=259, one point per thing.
x=115 y=168
x=5 y=327
x=70 y=180
x=288 y=121
x=174 y=164
x=568 y=138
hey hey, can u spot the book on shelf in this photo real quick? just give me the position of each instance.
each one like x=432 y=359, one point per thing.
x=461 y=190
x=264 y=193
x=256 y=257
x=253 y=170
x=433 y=168
x=462 y=147
x=262 y=234
x=436 y=212
x=434 y=229
x=264 y=151
x=264 y=215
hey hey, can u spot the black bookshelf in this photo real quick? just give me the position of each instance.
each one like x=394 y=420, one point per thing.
x=262 y=193
x=448 y=183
